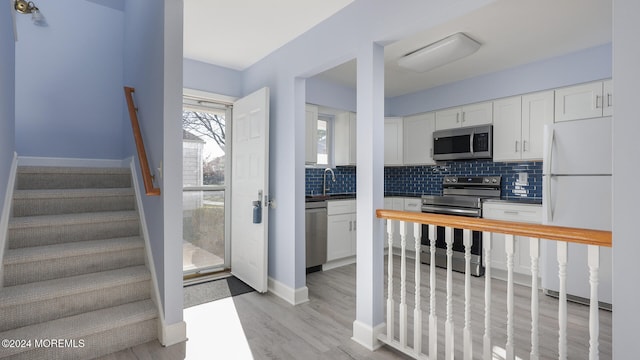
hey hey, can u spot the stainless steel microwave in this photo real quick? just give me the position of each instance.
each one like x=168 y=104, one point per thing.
x=474 y=142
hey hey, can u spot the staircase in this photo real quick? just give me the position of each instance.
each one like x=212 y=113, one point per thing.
x=75 y=266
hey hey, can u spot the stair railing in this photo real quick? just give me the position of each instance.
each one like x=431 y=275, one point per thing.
x=410 y=226
x=147 y=177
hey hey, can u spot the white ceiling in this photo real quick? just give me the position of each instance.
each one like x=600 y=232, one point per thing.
x=511 y=32
x=237 y=33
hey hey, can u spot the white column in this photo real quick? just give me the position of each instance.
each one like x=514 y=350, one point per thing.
x=433 y=318
x=594 y=322
x=448 y=324
x=370 y=191
x=486 y=341
x=390 y=303
x=562 y=303
x=417 y=311
x=534 y=249
x=468 y=345
x=509 y=249
x=403 y=284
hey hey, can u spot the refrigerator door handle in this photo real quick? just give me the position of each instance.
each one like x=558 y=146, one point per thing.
x=546 y=186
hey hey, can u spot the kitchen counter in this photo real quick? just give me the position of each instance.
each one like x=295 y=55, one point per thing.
x=404 y=195
x=343 y=196
x=529 y=201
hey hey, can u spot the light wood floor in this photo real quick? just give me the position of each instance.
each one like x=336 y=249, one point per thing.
x=322 y=328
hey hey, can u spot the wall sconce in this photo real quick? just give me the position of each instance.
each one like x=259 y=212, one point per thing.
x=28 y=7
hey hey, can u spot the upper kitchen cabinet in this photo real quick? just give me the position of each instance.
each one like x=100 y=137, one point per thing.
x=584 y=101
x=311 y=130
x=468 y=115
x=418 y=139
x=518 y=124
x=393 y=140
x=345 y=139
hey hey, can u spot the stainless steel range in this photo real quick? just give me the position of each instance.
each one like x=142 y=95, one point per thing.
x=462 y=196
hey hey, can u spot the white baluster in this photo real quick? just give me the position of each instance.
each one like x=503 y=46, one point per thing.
x=448 y=325
x=509 y=249
x=468 y=346
x=534 y=249
x=433 y=318
x=487 y=347
x=562 y=304
x=417 y=311
x=390 y=304
x=403 y=284
x=594 y=268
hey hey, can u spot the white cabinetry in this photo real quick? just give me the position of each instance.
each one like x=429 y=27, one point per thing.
x=418 y=139
x=345 y=138
x=518 y=124
x=468 y=115
x=311 y=130
x=527 y=213
x=341 y=229
x=584 y=101
x=393 y=147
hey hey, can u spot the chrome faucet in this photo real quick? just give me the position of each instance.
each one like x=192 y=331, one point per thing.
x=325 y=188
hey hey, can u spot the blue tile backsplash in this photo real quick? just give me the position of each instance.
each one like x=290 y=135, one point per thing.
x=427 y=180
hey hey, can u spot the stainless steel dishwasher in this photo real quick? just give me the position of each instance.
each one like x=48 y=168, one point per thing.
x=316 y=234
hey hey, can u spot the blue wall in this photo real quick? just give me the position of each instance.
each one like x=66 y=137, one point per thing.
x=325 y=93
x=427 y=180
x=153 y=64
x=7 y=97
x=578 y=67
x=69 y=98
x=212 y=78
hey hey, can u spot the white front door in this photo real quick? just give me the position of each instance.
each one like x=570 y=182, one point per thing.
x=249 y=187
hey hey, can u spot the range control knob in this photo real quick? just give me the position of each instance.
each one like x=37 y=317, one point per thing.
x=486 y=180
x=494 y=181
x=454 y=180
x=447 y=180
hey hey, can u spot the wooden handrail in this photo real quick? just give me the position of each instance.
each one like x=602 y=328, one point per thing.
x=574 y=235
x=147 y=178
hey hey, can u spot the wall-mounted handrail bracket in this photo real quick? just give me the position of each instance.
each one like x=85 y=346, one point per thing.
x=147 y=177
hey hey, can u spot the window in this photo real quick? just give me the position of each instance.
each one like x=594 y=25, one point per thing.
x=324 y=140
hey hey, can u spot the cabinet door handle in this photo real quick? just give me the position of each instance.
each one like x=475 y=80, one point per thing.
x=598 y=101
x=457 y=117
x=609 y=100
x=464 y=118
x=516 y=145
x=511 y=212
x=350 y=225
x=524 y=145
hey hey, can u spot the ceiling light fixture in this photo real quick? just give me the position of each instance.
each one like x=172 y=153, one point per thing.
x=28 y=7
x=439 y=53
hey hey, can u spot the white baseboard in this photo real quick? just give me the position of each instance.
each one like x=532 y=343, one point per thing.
x=6 y=212
x=71 y=162
x=172 y=334
x=338 y=263
x=288 y=294
x=366 y=335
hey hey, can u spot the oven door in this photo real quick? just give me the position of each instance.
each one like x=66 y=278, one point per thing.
x=458 y=260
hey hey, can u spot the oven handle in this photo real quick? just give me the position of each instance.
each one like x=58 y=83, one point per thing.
x=450 y=211
x=471 y=142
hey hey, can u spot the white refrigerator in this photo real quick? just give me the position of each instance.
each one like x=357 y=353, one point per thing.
x=577 y=193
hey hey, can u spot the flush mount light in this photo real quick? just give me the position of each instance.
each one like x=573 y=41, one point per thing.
x=28 y=7
x=439 y=53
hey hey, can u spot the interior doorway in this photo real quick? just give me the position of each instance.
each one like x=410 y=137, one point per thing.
x=205 y=192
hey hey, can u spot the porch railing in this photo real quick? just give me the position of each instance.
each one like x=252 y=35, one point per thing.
x=411 y=223
x=147 y=177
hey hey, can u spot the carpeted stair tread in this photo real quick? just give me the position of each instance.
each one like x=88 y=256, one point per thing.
x=83 y=325
x=71 y=201
x=71 y=219
x=57 y=251
x=76 y=170
x=50 y=289
x=70 y=193
x=38 y=177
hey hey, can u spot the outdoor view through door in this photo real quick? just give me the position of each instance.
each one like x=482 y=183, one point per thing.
x=204 y=197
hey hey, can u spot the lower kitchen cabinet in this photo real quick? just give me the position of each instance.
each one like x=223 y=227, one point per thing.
x=528 y=213
x=341 y=229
